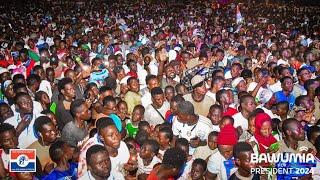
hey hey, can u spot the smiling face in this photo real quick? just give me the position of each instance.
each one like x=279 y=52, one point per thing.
x=197 y=172
x=48 y=132
x=244 y=161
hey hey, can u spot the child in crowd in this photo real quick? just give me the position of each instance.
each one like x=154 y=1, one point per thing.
x=198 y=169
x=275 y=123
x=137 y=116
x=52 y=116
x=203 y=152
x=165 y=137
x=215 y=115
x=155 y=132
x=173 y=161
x=225 y=121
x=242 y=153
x=282 y=110
x=169 y=93
x=147 y=158
x=60 y=153
x=220 y=163
x=246 y=135
x=145 y=126
x=183 y=144
x=123 y=111
x=172 y=112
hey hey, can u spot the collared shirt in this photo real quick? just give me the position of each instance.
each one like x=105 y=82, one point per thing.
x=219 y=165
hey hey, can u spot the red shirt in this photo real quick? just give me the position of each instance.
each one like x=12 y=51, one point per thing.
x=230 y=112
x=153 y=174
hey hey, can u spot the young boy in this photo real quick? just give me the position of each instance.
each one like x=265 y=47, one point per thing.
x=8 y=140
x=165 y=137
x=147 y=158
x=60 y=153
x=133 y=97
x=183 y=144
x=215 y=115
x=275 y=123
x=282 y=109
x=198 y=169
x=144 y=126
x=220 y=164
x=246 y=135
x=172 y=112
x=242 y=153
x=169 y=93
x=172 y=163
x=225 y=121
x=203 y=152
x=137 y=116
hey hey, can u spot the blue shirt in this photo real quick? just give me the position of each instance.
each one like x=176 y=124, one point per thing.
x=280 y=96
x=71 y=173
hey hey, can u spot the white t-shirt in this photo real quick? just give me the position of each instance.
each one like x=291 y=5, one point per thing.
x=201 y=129
x=46 y=87
x=186 y=170
x=239 y=120
x=153 y=117
x=216 y=166
x=252 y=86
x=215 y=128
x=153 y=66
x=27 y=136
x=146 y=99
x=275 y=87
x=118 y=161
x=89 y=176
x=142 y=169
x=37 y=108
x=212 y=96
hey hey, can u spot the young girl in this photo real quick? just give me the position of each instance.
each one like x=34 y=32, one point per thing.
x=198 y=169
x=137 y=116
x=263 y=133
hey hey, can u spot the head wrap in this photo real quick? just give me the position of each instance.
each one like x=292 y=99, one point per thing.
x=227 y=135
x=263 y=142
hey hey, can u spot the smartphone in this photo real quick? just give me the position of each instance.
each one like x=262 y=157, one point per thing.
x=15 y=54
x=28 y=117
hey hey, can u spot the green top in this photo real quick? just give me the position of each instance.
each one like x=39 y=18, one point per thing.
x=34 y=56
x=131 y=130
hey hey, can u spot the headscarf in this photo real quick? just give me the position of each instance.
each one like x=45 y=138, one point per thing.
x=263 y=142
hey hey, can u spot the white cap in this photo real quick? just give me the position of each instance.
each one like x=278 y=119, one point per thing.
x=172 y=55
x=236 y=81
x=124 y=80
x=3 y=70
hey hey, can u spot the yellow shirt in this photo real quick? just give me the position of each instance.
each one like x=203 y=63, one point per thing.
x=42 y=153
x=132 y=99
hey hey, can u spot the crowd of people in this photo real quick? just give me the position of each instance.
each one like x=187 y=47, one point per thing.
x=148 y=90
